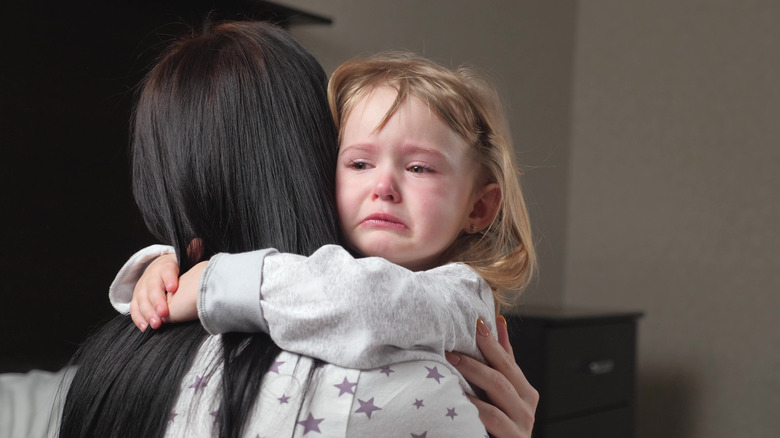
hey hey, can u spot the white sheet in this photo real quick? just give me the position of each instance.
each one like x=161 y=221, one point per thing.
x=31 y=403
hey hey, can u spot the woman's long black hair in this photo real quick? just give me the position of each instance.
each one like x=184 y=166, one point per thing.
x=233 y=144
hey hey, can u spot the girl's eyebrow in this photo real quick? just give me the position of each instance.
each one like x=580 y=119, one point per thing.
x=406 y=149
x=361 y=147
x=411 y=148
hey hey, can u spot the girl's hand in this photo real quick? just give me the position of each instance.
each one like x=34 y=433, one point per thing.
x=512 y=401
x=183 y=305
x=149 y=306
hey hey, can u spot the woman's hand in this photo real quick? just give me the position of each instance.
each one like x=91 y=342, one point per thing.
x=149 y=306
x=512 y=401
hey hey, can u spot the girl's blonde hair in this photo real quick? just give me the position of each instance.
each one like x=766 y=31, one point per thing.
x=503 y=254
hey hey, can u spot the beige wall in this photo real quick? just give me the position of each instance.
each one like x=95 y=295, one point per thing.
x=651 y=131
x=674 y=206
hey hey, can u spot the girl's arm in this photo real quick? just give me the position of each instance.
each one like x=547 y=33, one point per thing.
x=352 y=312
x=120 y=293
x=360 y=313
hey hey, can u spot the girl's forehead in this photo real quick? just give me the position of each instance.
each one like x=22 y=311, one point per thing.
x=411 y=127
x=381 y=107
x=382 y=102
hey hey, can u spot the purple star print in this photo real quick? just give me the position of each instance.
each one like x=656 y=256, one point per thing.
x=311 y=424
x=433 y=373
x=418 y=403
x=283 y=399
x=200 y=383
x=274 y=368
x=172 y=416
x=368 y=407
x=386 y=371
x=345 y=387
x=451 y=413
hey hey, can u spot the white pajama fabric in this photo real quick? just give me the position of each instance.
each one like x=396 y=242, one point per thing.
x=407 y=399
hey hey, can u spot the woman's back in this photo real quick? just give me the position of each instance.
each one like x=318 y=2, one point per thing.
x=301 y=396
x=222 y=124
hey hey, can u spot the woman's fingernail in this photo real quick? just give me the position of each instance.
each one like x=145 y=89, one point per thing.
x=142 y=326
x=452 y=358
x=482 y=328
x=153 y=321
x=502 y=320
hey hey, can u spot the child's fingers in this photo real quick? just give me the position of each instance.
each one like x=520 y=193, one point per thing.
x=164 y=278
x=136 y=316
x=149 y=295
x=158 y=301
x=170 y=274
x=145 y=307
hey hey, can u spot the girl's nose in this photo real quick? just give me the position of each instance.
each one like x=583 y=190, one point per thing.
x=386 y=188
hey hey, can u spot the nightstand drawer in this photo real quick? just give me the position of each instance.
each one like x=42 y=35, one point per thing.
x=583 y=363
x=615 y=423
x=589 y=367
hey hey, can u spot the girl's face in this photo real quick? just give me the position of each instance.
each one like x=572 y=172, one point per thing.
x=404 y=192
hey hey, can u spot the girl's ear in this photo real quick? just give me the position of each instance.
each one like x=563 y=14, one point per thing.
x=195 y=250
x=485 y=208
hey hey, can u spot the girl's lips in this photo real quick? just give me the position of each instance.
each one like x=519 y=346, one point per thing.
x=383 y=220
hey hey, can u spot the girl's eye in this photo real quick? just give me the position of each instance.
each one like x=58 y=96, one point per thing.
x=358 y=165
x=418 y=169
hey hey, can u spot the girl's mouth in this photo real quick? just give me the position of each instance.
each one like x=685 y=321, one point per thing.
x=383 y=220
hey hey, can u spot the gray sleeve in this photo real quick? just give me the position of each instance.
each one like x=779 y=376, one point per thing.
x=120 y=293
x=359 y=313
x=229 y=295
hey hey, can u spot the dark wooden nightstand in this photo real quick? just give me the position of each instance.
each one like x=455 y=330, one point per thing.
x=583 y=363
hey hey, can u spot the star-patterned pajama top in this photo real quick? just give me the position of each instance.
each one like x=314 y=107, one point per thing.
x=407 y=399
x=382 y=328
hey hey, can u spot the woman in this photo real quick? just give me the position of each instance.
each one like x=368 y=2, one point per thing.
x=220 y=135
